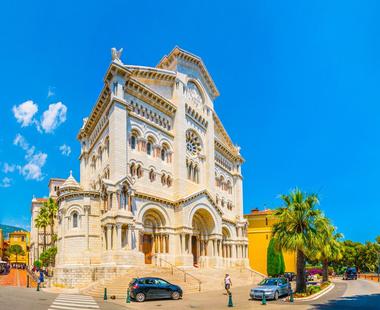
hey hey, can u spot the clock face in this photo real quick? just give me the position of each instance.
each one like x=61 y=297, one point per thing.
x=193 y=144
x=194 y=94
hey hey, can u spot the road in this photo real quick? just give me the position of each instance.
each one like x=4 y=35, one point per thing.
x=360 y=294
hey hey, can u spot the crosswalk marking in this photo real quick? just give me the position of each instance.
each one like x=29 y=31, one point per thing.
x=73 y=302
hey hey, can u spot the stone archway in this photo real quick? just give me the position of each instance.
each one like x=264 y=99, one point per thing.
x=154 y=237
x=203 y=225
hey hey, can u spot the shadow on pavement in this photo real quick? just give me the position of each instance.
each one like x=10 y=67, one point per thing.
x=352 y=302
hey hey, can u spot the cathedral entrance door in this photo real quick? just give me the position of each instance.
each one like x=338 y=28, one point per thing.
x=147 y=248
x=194 y=250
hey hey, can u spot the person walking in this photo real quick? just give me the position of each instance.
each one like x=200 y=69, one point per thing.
x=227 y=283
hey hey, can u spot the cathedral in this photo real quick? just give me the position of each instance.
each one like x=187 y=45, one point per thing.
x=160 y=177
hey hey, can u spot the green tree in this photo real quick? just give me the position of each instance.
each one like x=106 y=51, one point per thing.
x=298 y=228
x=42 y=221
x=16 y=250
x=51 y=209
x=329 y=249
x=48 y=256
x=275 y=260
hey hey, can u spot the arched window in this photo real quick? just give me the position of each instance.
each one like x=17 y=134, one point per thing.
x=139 y=171
x=133 y=142
x=152 y=175
x=163 y=179
x=149 y=148
x=169 y=181
x=75 y=219
x=163 y=154
x=132 y=169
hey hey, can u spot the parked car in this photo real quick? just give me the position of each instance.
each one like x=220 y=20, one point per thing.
x=273 y=288
x=142 y=289
x=350 y=274
x=291 y=276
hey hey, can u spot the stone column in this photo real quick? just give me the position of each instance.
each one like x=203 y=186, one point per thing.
x=183 y=248
x=109 y=237
x=164 y=244
x=87 y=211
x=189 y=245
x=118 y=236
x=129 y=237
x=167 y=243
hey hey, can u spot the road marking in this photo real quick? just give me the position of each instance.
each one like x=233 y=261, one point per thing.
x=73 y=302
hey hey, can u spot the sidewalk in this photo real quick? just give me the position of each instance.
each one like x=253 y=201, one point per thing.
x=16 y=277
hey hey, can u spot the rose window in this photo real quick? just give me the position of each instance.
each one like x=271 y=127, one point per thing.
x=193 y=144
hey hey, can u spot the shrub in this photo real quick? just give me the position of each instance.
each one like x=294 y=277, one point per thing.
x=275 y=260
x=313 y=289
x=37 y=264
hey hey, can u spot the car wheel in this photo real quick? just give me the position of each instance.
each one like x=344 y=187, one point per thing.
x=140 y=297
x=175 y=295
x=275 y=297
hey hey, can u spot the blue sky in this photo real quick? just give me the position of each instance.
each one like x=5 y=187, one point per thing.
x=299 y=84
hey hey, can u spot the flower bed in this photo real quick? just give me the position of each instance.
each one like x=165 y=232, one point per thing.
x=312 y=289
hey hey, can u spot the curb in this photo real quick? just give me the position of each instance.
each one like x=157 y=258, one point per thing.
x=318 y=295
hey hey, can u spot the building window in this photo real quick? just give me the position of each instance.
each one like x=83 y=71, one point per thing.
x=152 y=175
x=139 y=171
x=133 y=142
x=132 y=169
x=266 y=221
x=163 y=179
x=149 y=148
x=163 y=154
x=75 y=220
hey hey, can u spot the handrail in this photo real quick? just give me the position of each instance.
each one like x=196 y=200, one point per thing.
x=181 y=270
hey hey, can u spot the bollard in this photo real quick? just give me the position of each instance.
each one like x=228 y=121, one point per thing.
x=291 y=299
x=27 y=281
x=38 y=286
x=128 y=297
x=263 y=300
x=105 y=294
x=230 y=303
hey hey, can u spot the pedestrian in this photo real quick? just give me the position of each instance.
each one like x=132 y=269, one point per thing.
x=41 y=278
x=227 y=283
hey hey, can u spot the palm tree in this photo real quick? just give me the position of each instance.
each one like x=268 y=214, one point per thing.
x=328 y=250
x=42 y=221
x=298 y=229
x=51 y=209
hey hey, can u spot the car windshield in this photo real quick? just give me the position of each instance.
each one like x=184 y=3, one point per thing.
x=269 y=282
x=351 y=270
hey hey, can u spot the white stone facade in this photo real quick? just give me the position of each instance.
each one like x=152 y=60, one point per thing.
x=159 y=176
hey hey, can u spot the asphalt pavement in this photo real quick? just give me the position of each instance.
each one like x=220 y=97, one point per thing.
x=354 y=294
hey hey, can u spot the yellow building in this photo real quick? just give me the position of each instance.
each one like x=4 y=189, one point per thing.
x=260 y=225
x=21 y=238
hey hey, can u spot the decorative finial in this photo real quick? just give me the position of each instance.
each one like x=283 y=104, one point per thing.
x=116 y=54
x=71 y=173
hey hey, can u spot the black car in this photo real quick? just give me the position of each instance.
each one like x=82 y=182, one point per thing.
x=153 y=288
x=350 y=274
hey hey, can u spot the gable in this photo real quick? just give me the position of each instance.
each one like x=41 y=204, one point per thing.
x=178 y=57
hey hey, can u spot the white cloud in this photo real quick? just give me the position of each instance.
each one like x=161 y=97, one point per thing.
x=32 y=170
x=9 y=167
x=65 y=150
x=25 y=112
x=5 y=182
x=53 y=117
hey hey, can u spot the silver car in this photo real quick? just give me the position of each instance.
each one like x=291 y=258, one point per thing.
x=272 y=288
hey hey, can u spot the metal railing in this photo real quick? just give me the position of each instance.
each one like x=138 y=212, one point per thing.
x=160 y=260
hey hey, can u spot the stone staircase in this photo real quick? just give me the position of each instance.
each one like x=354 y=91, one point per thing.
x=192 y=280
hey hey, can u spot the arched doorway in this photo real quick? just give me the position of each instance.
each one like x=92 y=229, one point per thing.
x=203 y=225
x=226 y=247
x=153 y=239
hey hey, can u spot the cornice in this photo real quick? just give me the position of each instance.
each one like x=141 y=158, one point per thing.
x=226 y=151
x=177 y=52
x=178 y=203
x=146 y=94
x=152 y=73
x=80 y=193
